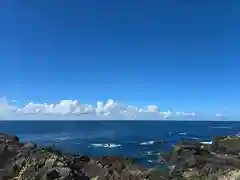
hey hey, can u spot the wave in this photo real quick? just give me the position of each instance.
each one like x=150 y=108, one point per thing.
x=178 y=133
x=182 y=133
x=206 y=142
x=107 y=145
x=147 y=143
x=220 y=127
x=151 y=153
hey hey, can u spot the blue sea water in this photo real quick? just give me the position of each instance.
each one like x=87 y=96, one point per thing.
x=128 y=138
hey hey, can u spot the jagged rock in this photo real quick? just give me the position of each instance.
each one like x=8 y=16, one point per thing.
x=205 y=162
x=189 y=159
x=230 y=144
x=8 y=138
x=215 y=142
x=158 y=174
x=24 y=161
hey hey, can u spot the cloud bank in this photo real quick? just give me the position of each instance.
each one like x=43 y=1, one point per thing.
x=74 y=110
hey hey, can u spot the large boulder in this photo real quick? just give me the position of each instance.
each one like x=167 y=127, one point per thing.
x=187 y=154
x=197 y=162
x=226 y=144
x=6 y=138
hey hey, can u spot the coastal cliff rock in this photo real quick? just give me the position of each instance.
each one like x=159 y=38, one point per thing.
x=194 y=160
x=189 y=159
x=24 y=161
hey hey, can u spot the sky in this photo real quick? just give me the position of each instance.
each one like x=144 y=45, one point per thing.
x=177 y=54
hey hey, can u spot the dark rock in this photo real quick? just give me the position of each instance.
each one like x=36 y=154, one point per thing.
x=191 y=154
x=215 y=142
x=84 y=158
x=190 y=144
x=53 y=175
x=189 y=159
x=93 y=170
x=230 y=145
x=26 y=162
x=158 y=174
x=8 y=138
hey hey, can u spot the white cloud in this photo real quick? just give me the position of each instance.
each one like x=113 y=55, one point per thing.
x=72 y=109
x=218 y=115
x=152 y=108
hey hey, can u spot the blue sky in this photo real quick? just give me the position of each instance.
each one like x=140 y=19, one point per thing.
x=179 y=54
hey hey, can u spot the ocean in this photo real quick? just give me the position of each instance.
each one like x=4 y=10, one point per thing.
x=126 y=138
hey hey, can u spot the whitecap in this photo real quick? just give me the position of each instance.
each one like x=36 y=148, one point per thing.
x=206 y=142
x=107 y=145
x=151 y=153
x=97 y=145
x=147 y=143
x=112 y=145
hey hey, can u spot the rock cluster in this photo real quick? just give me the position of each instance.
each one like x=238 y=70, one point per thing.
x=187 y=160
x=191 y=159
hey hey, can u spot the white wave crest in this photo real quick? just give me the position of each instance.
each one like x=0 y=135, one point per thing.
x=151 y=153
x=150 y=161
x=147 y=143
x=108 y=145
x=206 y=142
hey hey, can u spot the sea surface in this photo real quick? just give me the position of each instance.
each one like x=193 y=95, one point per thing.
x=126 y=138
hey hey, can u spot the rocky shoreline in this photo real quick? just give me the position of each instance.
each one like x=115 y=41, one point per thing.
x=188 y=160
